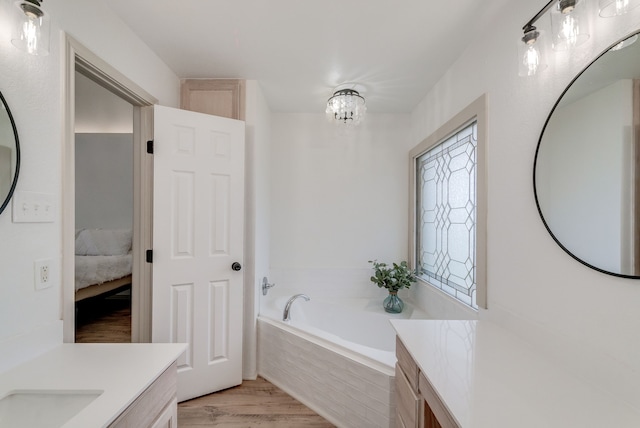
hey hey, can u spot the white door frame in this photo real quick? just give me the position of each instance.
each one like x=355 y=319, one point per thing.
x=79 y=58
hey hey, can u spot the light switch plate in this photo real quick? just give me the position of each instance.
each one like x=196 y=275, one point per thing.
x=33 y=207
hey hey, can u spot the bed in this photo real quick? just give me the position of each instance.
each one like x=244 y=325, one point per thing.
x=103 y=262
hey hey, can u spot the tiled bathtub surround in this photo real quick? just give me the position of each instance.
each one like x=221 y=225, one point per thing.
x=337 y=354
x=332 y=382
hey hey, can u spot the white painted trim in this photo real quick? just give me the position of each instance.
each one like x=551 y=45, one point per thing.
x=142 y=224
x=476 y=110
x=76 y=57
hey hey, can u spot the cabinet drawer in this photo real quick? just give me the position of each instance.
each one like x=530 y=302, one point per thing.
x=407 y=364
x=434 y=406
x=407 y=401
x=151 y=403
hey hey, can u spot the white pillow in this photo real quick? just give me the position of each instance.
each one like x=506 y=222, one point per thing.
x=103 y=242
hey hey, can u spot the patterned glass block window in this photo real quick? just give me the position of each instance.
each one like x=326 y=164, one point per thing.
x=446 y=215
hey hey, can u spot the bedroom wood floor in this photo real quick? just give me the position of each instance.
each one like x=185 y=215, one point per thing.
x=256 y=403
x=103 y=321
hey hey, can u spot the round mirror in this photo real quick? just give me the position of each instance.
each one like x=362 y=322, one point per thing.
x=587 y=168
x=9 y=154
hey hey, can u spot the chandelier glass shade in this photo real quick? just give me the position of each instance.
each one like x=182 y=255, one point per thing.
x=346 y=106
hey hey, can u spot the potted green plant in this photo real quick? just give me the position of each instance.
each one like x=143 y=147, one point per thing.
x=393 y=278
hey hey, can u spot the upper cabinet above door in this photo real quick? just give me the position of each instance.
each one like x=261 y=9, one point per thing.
x=218 y=97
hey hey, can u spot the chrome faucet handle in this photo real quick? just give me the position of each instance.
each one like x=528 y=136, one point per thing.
x=266 y=286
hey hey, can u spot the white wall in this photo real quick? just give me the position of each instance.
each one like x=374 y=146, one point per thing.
x=585 y=318
x=99 y=110
x=582 y=159
x=104 y=181
x=32 y=88
x=337 y=200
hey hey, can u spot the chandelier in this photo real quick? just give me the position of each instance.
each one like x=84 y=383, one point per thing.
x=346 y=106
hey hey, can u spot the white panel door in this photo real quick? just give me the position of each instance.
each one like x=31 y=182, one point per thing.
x=198 y=218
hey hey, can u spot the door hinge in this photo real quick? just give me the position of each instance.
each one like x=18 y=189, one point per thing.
x=150 y=146
x=149 y=256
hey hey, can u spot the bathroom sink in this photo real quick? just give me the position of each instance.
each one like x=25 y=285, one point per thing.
x=43 y=408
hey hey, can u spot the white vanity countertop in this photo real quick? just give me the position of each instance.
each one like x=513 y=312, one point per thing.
x=489 y=378
x=122 y=371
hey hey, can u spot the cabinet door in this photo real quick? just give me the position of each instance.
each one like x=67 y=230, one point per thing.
x=218 y=97
x=168 y=418
x=407 y=402
x=407 y=364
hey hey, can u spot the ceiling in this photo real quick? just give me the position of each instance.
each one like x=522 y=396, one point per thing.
x=301 y=50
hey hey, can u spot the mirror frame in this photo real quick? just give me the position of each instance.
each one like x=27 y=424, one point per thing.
x=17 y=141
x=535 y=164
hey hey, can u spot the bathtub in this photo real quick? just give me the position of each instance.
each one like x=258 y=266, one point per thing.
x=337 y=356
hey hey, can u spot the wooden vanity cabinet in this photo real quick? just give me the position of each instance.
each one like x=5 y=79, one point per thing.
x=156 y=407
x=417 y=404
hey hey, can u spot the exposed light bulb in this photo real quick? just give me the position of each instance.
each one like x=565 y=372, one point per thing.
x=531 y=60
x=569 y=30
x=31 y=34
x=529 y=52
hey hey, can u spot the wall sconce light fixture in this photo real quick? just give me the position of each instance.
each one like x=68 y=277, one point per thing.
x=31 y=29
x=568 y=26
x=346 y=106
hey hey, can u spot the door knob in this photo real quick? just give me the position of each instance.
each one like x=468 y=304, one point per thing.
x=236 y=266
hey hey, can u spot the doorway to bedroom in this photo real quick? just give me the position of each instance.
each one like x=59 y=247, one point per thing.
x=103 y=214
x=82 y=63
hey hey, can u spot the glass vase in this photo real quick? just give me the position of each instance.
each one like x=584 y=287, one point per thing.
x=392 y=303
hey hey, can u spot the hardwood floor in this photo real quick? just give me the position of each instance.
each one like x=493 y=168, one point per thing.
x=103 y=321
x=255 y=403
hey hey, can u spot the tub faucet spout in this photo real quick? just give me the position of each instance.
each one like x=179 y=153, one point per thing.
x=286 y=315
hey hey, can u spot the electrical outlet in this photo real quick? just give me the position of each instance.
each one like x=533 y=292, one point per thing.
x=42 y=273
